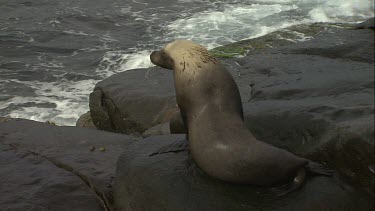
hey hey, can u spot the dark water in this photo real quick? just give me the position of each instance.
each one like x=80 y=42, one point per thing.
x=52 y=53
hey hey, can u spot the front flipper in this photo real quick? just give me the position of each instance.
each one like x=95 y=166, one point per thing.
x=177 y=146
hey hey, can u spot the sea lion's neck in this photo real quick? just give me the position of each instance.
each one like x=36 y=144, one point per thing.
x=195 y=81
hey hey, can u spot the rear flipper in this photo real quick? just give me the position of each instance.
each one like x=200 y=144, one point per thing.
x=177 y=146
x=312 y=168
x=296 y=184
x=318 y=169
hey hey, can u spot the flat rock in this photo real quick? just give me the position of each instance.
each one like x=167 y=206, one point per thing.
x=30 y=182
x=173 y=182
x=47 y=167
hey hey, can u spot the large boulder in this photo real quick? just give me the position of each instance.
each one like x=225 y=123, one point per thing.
x=335 y=43
x=315 y=99
x=172 y=181
x=47 y=167
x=133 y=101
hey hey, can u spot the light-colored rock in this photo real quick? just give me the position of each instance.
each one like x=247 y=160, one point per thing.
x=160 y=129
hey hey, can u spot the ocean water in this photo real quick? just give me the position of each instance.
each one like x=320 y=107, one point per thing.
x=52 y=53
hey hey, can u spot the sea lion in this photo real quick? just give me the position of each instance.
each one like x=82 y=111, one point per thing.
x=211 y=109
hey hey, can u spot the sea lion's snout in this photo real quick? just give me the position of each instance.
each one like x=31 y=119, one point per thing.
x=161 y=59
x=153 y=57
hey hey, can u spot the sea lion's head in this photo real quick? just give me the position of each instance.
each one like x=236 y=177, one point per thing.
x=180 y=54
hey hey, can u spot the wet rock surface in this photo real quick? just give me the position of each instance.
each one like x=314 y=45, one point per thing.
x=46 y=167
x=173 y=182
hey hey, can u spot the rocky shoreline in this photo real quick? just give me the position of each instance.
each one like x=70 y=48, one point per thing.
x=313 y=98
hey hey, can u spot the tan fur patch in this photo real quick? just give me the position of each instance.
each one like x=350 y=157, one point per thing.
x=184 y=53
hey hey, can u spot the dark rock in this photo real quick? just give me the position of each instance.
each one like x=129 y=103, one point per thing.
x=368 y=24
x=85 y=121
x=46 y=167
x=50 y=122
x=30 y=182
x=133 y=101
x=176 y=124
x=336 y=43
x=315 y=106
x=173 y=182
x=98 y=108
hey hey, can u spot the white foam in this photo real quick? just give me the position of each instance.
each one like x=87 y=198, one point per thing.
x=145 y=3
x=263 y=30
x=339 y=10
x=117 y=61
x=301 y=36
x=79 y=33
x=139 y=60
x=235 y=22
x=67 y=96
